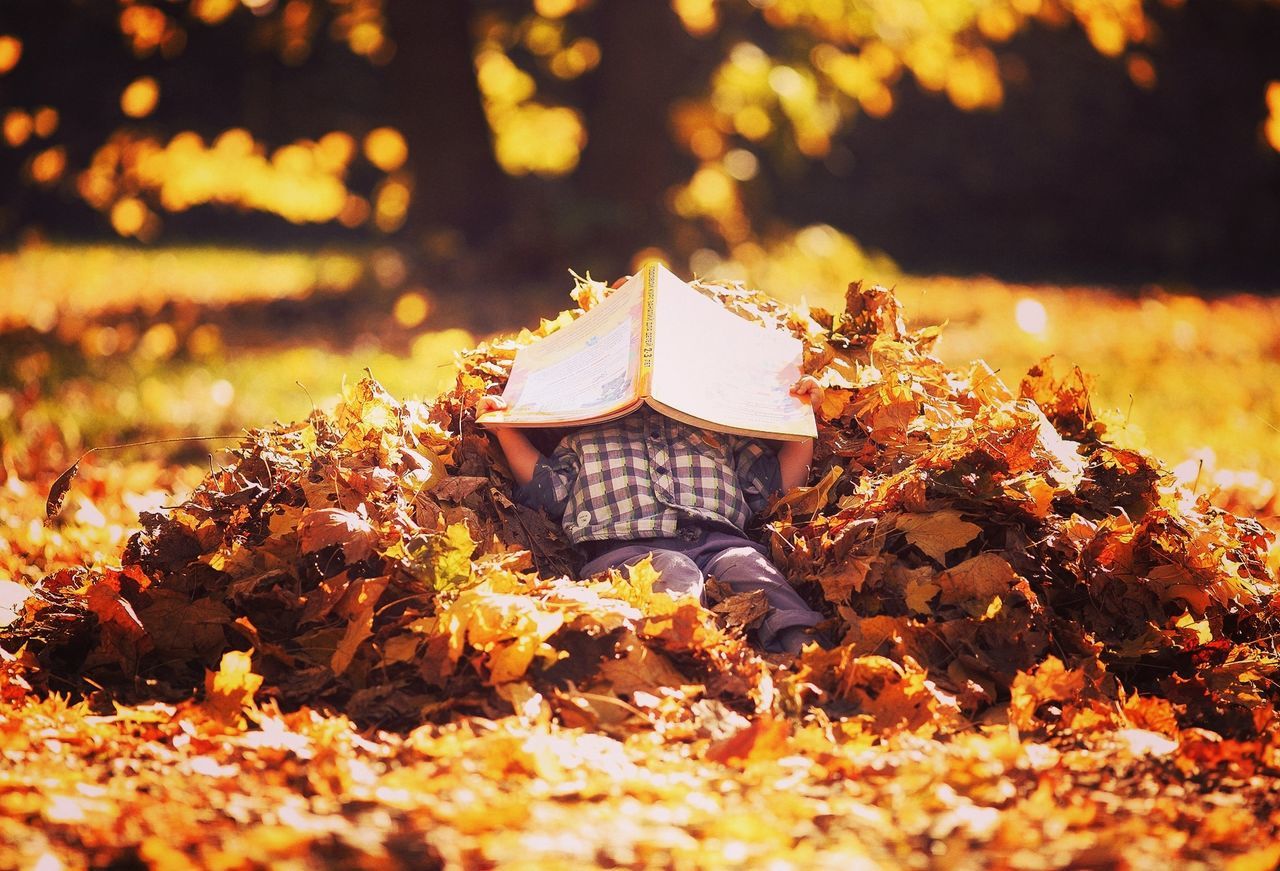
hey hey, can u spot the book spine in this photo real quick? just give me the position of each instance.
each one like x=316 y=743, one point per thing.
x=646 y=328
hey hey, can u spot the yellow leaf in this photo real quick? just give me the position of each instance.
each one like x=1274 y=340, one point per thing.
x=808 y=500
x=360 y=626
x=938 y=533
x=1050 y=681
x=1204 y=634
x=230 y=689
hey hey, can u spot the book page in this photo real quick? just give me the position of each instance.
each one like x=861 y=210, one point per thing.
x=724 y=369
x=585 y=369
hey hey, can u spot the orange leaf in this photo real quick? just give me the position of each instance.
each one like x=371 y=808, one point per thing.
x=918 y=594
x=765 y=738
x=230 y=689
x=938 y=533
x=361 y=625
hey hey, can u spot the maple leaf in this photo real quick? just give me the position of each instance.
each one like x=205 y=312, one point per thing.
x=321 y=527
x=743 y=610
x=507 y=629
x=919 y=593
x=847 y=578
x=639 y=668
x=976 y=581
x=937 y=533
x=230 y=689
x=123 y=638
x=1051 y=681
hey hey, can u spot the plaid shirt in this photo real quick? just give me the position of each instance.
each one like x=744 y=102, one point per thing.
x=647 y=476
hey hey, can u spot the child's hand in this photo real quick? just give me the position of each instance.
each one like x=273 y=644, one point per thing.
x=490 y=403
x=808 y=389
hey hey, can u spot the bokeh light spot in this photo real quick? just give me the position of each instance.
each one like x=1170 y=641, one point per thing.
x=17 y=127
x=10 y=53
x=741 y=164
x=222 y=393
x=1031 y=316
x=128 y=216
x=554 y=8
x=48 y=166
x=386 y=149
x=411 y=309
x=140 y=97
x=1142 y=72
x=45 y=121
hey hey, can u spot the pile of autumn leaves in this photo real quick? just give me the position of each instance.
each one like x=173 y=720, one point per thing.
x=980 y=554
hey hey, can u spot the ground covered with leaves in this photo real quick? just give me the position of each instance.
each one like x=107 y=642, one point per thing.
x=350 y=647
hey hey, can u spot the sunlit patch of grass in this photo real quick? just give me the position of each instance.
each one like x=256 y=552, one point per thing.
x=1182 y=374
x=115 y=400
x=45 y=286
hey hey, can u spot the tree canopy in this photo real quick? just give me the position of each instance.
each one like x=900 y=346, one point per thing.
x=685 y=125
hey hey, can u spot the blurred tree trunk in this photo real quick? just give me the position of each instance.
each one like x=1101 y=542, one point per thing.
x=647 y=62
x=458 y=183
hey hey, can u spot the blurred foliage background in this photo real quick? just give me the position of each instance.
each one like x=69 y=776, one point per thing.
x=214 y=211
x=1113 y=140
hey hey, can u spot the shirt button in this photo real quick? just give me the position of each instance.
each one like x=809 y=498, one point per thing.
x=584 y=517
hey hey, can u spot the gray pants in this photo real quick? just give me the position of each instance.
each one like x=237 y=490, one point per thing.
x=684 y=563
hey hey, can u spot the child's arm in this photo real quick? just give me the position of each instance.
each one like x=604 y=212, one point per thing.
x=522 y=456
x=794 y=458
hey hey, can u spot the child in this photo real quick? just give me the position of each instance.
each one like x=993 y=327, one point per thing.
x=646 y=484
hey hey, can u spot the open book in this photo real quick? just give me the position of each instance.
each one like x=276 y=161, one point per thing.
x=656 y=340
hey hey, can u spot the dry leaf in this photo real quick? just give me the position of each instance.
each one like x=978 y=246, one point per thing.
x=320 y=528
x=976 y=580
x=938 y=533
x=230 y=689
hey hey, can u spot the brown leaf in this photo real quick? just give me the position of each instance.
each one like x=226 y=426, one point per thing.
x=322 y=527
x=808 y=500
x=918 y=593
x=455 y=489
x=179 y=626
x=743 y=610
x=847 y=578
x=639 y=669
x=122 y=636
x=977 y=580
x=58 y=492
